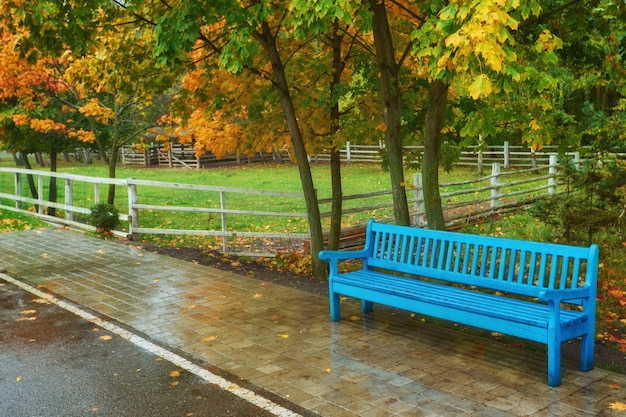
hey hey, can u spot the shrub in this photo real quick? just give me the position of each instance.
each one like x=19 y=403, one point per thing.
x=104 y=217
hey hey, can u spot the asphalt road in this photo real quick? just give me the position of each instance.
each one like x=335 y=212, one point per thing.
x=54 y=363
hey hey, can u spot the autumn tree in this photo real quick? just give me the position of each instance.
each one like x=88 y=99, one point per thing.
x=115 y=86
x=31 y=119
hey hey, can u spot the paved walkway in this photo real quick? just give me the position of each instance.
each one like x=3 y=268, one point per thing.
x=281 y=339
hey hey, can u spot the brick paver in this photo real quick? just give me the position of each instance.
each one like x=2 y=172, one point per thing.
x=281 y=339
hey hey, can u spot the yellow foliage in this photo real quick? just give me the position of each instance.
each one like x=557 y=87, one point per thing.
x=100 y=113
x=46 y=125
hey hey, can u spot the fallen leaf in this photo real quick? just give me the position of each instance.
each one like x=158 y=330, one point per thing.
x=106 y=337
x=94 y=409
x=155 y=280
x=175 y=374
x=617 y=406
x=284 y=336
x=29 y=311
x=355 y=318
x=158 y=359
x=615 y=386
x=257 y=296
x=18 y=379
x=209 y=338
x=174 y=383
x=264 y=284
x=41 y=301
x=235 y=263
x=101 y=251
x=29 y=318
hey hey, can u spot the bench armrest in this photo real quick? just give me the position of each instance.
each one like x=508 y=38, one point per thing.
x=334 y=256
x=563 y=295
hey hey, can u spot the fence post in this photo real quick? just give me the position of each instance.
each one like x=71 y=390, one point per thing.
x=552 y=174
x=40 y=194
x=223 y=216
x=495 y=184
x=577 y=160
x=96 y=193
x=507 y=155
x=419 y=216
x=348 y=152
x=18 y=189
x=133 y=212
x=69 y=199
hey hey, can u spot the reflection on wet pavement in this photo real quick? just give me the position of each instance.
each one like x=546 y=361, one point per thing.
x=282 y=339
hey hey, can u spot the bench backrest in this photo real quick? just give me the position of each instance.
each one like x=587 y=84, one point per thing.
x=508 y=265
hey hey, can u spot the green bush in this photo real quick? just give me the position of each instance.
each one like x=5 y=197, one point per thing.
x=104 y=217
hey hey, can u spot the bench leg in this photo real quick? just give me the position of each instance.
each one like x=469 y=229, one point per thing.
x=554 y=363
x=335 y=312
x=367 y=307
x=586 y=353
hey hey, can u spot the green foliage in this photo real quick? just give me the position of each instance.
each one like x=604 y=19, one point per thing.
x=104 y=217
x=593 y=201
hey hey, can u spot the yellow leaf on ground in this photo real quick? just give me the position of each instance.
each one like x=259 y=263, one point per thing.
x=355 y=318
x=257 y=296
x=174 y=383
x=284 y=336
x=617 y=406
x=18 y=379
x=106 y=337
x=209 y=338
x=615 y=386
x=29 y=318
x=29 y=311
x=175 y=374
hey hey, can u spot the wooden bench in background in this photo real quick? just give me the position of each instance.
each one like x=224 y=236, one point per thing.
x=537 y=291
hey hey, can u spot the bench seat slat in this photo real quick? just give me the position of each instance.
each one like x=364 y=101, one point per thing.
x=530 y=313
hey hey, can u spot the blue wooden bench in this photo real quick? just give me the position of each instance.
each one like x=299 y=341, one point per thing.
x=537 y=291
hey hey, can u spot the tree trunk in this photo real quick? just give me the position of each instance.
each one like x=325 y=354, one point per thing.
x=52 y=195
x=31 y=180
x=334 y=234
x=392 y=106
x=310 y=195
x=112 y=173
x=437 y=100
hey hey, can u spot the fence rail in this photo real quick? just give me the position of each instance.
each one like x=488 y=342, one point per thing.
x=232 y=215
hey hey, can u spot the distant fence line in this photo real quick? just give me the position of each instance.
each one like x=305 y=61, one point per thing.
x=178 y=155
x=229 y=214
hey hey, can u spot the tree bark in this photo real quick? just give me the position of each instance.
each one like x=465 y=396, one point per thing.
x=30 y=179
x=334 y=234
x=281 y=85
x=392 y=106
x=112 y=173
x=435 y=114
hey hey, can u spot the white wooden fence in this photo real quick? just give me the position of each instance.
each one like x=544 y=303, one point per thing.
x=232 y=214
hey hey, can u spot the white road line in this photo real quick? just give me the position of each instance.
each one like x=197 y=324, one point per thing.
x=172 y=357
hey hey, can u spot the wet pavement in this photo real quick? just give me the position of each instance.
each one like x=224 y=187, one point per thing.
x=55 y=363
x=281 y=339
